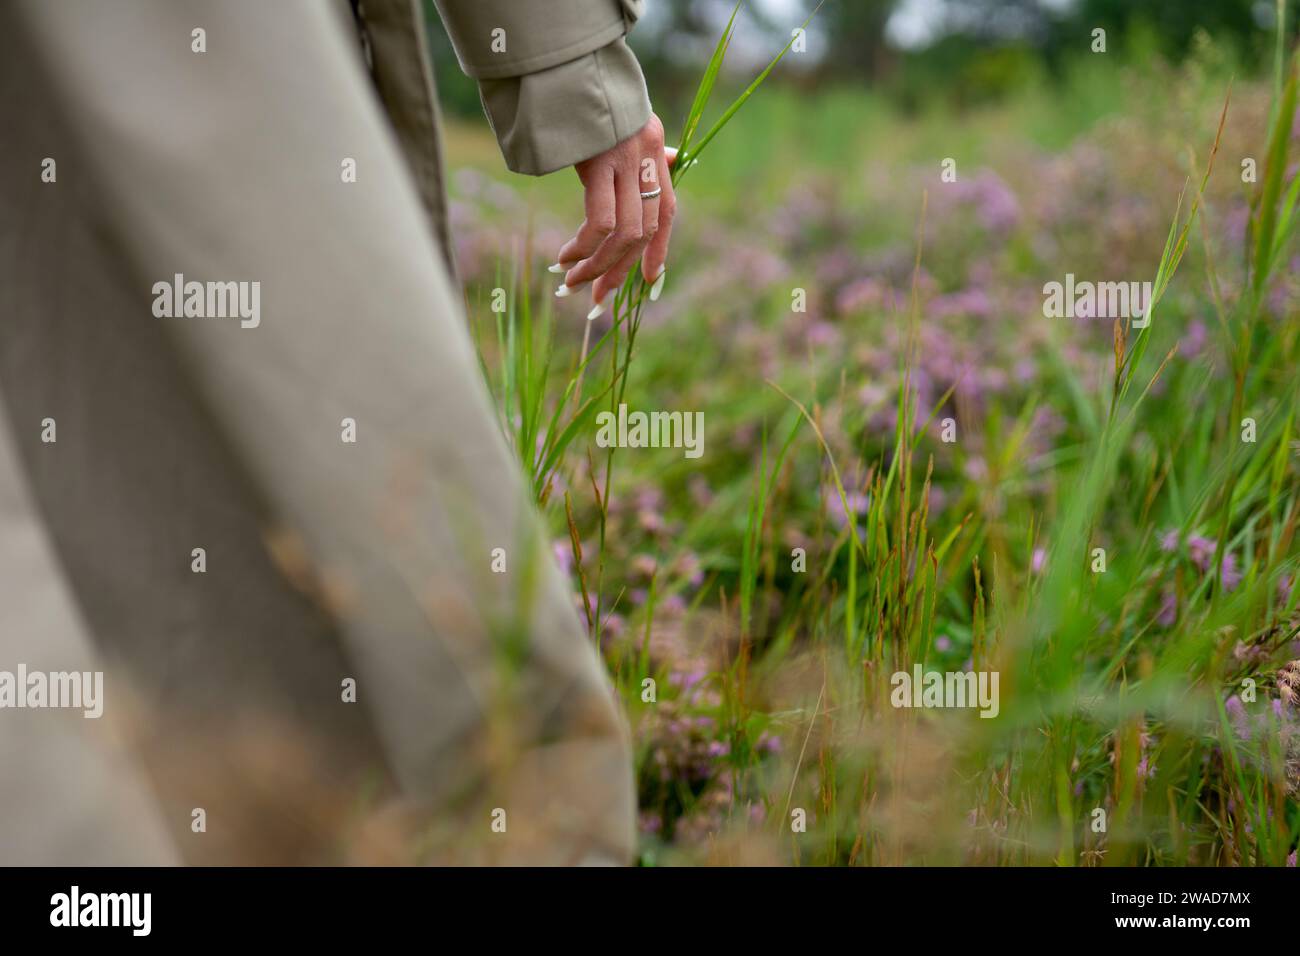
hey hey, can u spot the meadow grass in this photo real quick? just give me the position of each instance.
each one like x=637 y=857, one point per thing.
x=1147 y=716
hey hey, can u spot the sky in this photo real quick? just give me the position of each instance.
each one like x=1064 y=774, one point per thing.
x=915 y=23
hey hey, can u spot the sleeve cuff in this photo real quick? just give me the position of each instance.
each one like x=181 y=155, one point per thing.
x=560 y=116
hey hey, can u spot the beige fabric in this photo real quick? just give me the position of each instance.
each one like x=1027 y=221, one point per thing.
x=392 y=40
x=557 y=79
x=501 y=38
x=549 y=120
x=326 y=560
x=54 y=760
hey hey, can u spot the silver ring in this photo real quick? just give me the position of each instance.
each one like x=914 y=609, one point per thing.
x=652 y=193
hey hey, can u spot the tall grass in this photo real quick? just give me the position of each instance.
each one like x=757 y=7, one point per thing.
x=1123 y=737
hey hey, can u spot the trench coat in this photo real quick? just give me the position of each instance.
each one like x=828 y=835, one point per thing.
x=300 y=551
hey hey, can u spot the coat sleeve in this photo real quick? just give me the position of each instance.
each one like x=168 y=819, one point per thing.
x=557 y=78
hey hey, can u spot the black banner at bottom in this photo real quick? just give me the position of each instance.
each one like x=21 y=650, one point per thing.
x=369 y=905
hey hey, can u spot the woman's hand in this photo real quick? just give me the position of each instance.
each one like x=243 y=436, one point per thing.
x=629 y=207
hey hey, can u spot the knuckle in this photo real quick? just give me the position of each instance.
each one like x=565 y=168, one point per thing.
x=603 y=225
x=650 y=229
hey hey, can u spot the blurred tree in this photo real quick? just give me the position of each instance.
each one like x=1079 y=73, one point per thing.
x=457 y=93
x=673 y=43
x=854 y=32
x=982 y=49
x=1233 y=22
x=1055 y=27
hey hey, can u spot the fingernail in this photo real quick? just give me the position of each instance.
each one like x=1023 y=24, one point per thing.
x=658 y=287
x=566 y=290
x=598 y=308
x=556 y=267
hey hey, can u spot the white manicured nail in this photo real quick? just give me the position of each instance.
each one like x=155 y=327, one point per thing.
x=658 y=287
x=556 y=267
x=598 y=308
x=567 y=290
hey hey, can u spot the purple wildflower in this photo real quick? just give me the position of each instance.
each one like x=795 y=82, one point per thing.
x=1168 y=608
x=1229 y=576
x=562 y=548
x=1201 y=550
x=858 y=503
x=687 y=679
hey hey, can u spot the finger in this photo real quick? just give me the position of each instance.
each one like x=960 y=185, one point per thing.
x=600 y=206
x=650 y=177
x=670 y=154
x=609 y=283
x=647 y=182
x=654 y=262
x=626 y=234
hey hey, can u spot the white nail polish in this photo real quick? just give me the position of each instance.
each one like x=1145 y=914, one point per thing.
x=658 y=287
x=566 y=290
x=556 y=268
x=596 y=310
